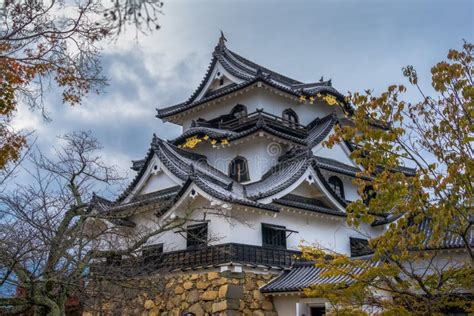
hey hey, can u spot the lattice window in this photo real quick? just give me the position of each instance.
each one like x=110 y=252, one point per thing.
x=273 y=236
x=196 y=235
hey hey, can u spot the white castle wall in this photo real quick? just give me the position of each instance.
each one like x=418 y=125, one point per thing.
x=158 y=182
x=337 y=152
x=245 y=227
x=261 y=154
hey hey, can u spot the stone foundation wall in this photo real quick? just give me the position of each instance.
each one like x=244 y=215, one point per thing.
x=210 y=293
x=204 y=293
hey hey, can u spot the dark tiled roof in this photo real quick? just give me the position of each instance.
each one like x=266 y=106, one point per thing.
x=359 y=247
x=211 y=132
x=302 y=276
x=233 y=195
x=450 y=240
x=307 y=204
x=336 y=166
x=137 y=164
x=319 y=129
x=279 y=177
x=250 y=73
x=190 y=168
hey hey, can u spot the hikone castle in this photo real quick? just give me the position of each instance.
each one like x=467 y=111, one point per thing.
x=251 y=172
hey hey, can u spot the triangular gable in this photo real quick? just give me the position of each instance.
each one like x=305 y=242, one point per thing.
x=314 y=178
x=155 y=177
x=216 y=78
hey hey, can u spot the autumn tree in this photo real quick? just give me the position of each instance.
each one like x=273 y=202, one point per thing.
x=412 y=270
x=57 y=42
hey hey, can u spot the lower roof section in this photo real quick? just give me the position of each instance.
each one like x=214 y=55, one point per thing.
x=301 y=276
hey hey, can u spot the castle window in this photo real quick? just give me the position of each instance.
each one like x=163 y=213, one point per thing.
x=273 y=236
x=239 y=111
x=290 y=117
x=238 y=169
x=196 y=235
x=337 y=186
x=221 y=82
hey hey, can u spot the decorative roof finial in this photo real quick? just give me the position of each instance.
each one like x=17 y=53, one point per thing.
x=222 y=40
x=321 y=79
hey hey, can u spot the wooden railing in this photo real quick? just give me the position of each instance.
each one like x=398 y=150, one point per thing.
x=208 y=256
x=275 y=121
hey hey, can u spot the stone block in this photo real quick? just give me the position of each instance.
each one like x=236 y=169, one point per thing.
x=194 y=277
x=188 y=285
x=231 y=291
x=202 y=285
x=257 y=295
x=226 y=305
x=196 y=309
x=149 y=304
x=209 y=295
x=268 y=306
x=213 y=275
x=154 y=312
x=193 y=296
x=219 y=307
x=258 y=313
x=178 y=290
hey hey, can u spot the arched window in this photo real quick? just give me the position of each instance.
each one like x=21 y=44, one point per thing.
x=290 y=117
x=239 y=170
x=337 y=186
x=239 y=111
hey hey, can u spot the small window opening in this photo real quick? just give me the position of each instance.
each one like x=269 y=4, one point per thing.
x=273 y=236
x=337 y=186
x=290 y=117
x=239 y=111
x=196 y=235
x=238 y=169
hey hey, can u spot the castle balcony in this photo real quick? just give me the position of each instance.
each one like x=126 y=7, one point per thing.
x=251 y=120
x=201 y=257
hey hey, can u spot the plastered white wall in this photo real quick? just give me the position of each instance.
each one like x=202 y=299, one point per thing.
x=261 y=153
x=245 y=227
x=157 y=182
x=337 y=152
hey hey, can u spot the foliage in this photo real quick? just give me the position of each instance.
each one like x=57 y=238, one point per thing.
x=56 y=42
x=425 y=208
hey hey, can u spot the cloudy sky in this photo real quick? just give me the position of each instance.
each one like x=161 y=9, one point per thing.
x=359 y=44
